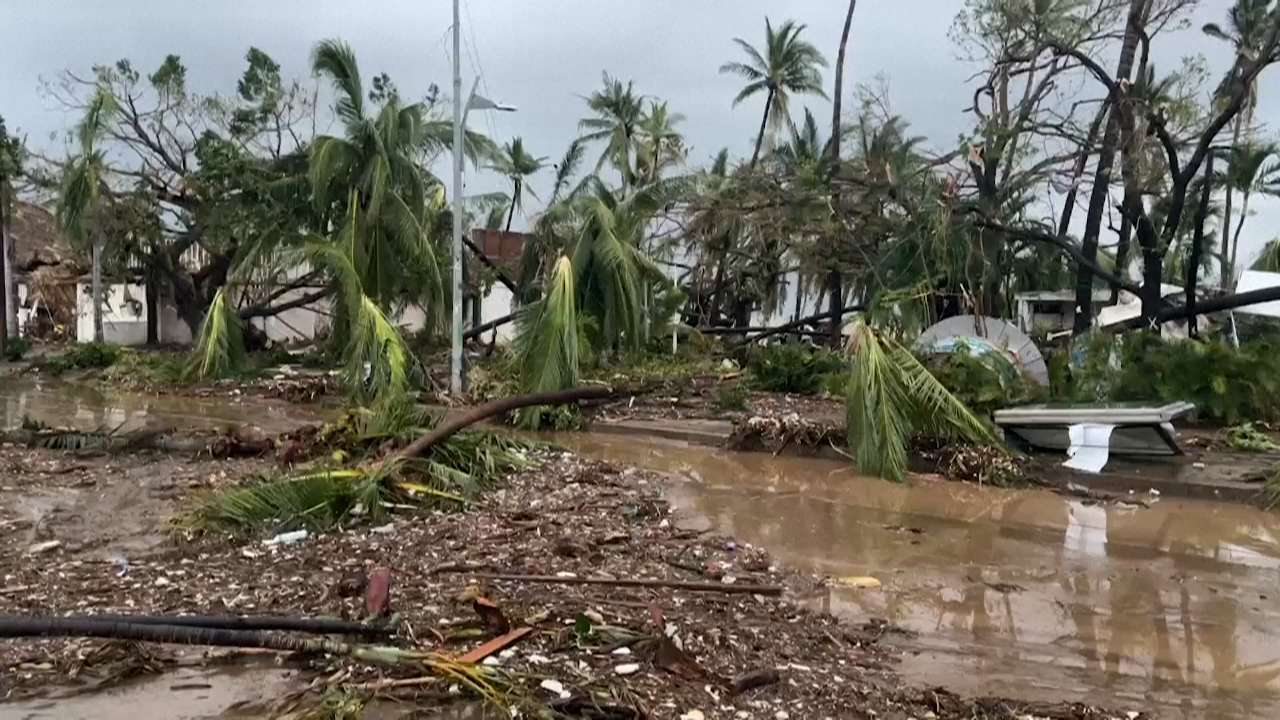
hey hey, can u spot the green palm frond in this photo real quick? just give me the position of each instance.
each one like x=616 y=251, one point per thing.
x=219 y=347
x=335 y=60
x=891 y=397
x=879 y=426
x=548 y=339
x=317 y=500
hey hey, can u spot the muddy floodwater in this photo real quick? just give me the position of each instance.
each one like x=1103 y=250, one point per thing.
x=88 y=407
x=1175 y=607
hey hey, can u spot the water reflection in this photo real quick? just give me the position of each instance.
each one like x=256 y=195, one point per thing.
x=89 y=407
x=1019 y=593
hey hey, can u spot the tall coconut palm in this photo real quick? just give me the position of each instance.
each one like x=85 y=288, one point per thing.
x=1245 y=30
x=376 y=161
x=518 y=165
x=659 y=145
x=618 y=114
x=789 y=65
x=1251 y=169
x=79 y=201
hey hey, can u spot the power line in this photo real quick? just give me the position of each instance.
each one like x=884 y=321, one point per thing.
x=473 y=52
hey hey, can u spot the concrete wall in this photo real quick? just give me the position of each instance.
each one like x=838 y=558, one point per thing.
x=125 y=322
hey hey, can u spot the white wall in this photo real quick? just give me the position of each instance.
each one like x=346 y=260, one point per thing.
x=123 y=322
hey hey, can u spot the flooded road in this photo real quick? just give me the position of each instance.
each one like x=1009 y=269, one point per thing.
x=1027 y=594
x=183 y=694
x=87 y=407
x=1172 y=608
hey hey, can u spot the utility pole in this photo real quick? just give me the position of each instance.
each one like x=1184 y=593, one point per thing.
x=455 y=379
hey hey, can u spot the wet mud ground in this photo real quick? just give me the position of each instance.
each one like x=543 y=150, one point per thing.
x=1015 y=592
x=1019 y=594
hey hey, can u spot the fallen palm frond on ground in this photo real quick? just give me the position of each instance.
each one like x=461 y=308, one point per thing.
x=374 y=461
x=892 y=396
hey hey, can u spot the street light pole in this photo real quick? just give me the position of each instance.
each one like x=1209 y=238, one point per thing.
x=455 y=379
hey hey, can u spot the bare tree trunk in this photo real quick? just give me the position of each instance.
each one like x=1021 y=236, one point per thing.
x=1197 y=246
x=1102 y=176
x=1122 y=252
x=1224 y=258
x=97 y=286
x=511 y=212
x=4 y=265
x=10 y=272
x=1235 y=244
x=764 y=122
x=834 y=280
x=152 y=291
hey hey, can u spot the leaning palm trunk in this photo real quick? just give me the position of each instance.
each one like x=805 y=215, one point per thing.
x=892 y=396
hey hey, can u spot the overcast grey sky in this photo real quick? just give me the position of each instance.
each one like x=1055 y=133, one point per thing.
x=539 y=55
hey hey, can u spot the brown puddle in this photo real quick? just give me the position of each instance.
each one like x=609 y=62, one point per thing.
x=1014 y=593
x=88 y=407
x=182 y=694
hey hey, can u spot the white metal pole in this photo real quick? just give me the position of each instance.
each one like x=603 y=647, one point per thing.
x=455 y=383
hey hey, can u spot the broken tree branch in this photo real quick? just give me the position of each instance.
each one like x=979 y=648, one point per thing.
x=452 y=424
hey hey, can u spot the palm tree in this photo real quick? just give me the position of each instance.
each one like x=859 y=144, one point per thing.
x=659 y=144
x=1248 y=172
x=805 y=154
x=374 y=170
x=789 y=65
x=79 y=202
x=518 y=165
x=618 y=114
x=1246 y=28
x=891 y=397
x=1268 y=259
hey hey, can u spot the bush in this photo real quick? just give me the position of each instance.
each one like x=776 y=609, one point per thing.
x=731 y=397
x=1228 y=386
x=986 y=382
x=17 y=348
x=793 y=368
x=85 y=356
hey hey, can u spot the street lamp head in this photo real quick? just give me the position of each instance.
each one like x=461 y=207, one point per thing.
x=480 y=102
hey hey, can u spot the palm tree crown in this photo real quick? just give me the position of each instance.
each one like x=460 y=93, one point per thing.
x=789 y=65
x=518 y=164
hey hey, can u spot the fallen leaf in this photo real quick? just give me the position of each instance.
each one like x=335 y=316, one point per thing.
x=377 y=595
x=671 y=658
x=492 y=615
x=757 y=679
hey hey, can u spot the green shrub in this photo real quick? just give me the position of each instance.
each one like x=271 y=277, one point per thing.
x=1228 y=385
x=984 y=382
x=85 y=356
x=731 y=397
x=17 y=348
x=793 y=368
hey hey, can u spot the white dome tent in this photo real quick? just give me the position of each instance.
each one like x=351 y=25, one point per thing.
x=984 y=334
